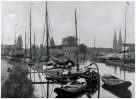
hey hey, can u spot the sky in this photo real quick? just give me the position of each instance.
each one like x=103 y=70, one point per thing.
x=95 y=19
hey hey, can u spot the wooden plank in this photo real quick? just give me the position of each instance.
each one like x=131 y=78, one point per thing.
x=43 y=82
x=35 y=72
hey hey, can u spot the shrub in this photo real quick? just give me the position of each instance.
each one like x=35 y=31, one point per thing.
x=18 y=85
x=15 y=59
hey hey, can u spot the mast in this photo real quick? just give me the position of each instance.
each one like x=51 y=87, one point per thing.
x=34 y=46
x=47 y=33
x=76 y=41
x=15 y=39
x=86 y=46
x=30 y=31
x=79 y=40
x=47 y=39
x=125 y=31
x=25 y=41
x=94 y=44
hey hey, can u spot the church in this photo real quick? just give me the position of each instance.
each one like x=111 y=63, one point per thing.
x=117 y=46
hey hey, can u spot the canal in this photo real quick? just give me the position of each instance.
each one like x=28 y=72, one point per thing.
x=41 y=89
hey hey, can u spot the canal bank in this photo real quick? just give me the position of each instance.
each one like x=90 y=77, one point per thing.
x=4 y=72
x=127 y=66
x=16 y=84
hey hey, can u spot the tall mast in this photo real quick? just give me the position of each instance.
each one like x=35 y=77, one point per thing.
x=15 y=39
x=76 y=41
x=47 y=33
x=94 y=44
x=79 y=40
x=25 y=41
x=125 y=32
x=34 y=46
x=30 y=31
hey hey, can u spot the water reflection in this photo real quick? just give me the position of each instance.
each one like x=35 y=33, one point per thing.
x=120 y=72
x=124 y=75
x=115 y=70
x=120 y=91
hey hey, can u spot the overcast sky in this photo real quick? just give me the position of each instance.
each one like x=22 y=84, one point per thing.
x=96 y=19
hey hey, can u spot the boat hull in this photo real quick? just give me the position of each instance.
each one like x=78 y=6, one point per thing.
x=76 y=95
x=91 y=86
x=72 y=92
x=114 y=81
x=119 y=91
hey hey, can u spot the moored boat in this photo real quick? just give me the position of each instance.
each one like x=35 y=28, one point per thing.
x=88 y=84
x=72 y=87
x=64 y=76
x=112 y=80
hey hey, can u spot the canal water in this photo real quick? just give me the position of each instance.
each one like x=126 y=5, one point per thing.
x=41 y=89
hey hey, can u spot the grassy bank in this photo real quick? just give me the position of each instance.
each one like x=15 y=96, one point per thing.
x=17 y=85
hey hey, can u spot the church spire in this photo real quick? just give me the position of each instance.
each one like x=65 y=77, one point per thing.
x=114 y=40
x=120 y=35
x=114 y=34
x=115 y=37
x=120 y=41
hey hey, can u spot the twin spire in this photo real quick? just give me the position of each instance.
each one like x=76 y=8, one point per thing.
x=117 y=45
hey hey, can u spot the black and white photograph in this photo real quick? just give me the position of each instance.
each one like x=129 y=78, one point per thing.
x=67 y=49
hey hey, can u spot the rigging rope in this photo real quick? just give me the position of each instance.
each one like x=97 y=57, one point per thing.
x=52 y=48
x=43 y=38
x=50 y=27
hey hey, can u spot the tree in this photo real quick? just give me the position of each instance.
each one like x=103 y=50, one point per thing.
x=33 y=47
x=82 y=48
x=63 y=41
x=69 y=40
x=19 y=42
x=37 y=47
x=41 y=47
x=52 y=43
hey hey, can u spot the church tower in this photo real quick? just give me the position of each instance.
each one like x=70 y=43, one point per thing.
x=114 y=41
x=120 y=42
